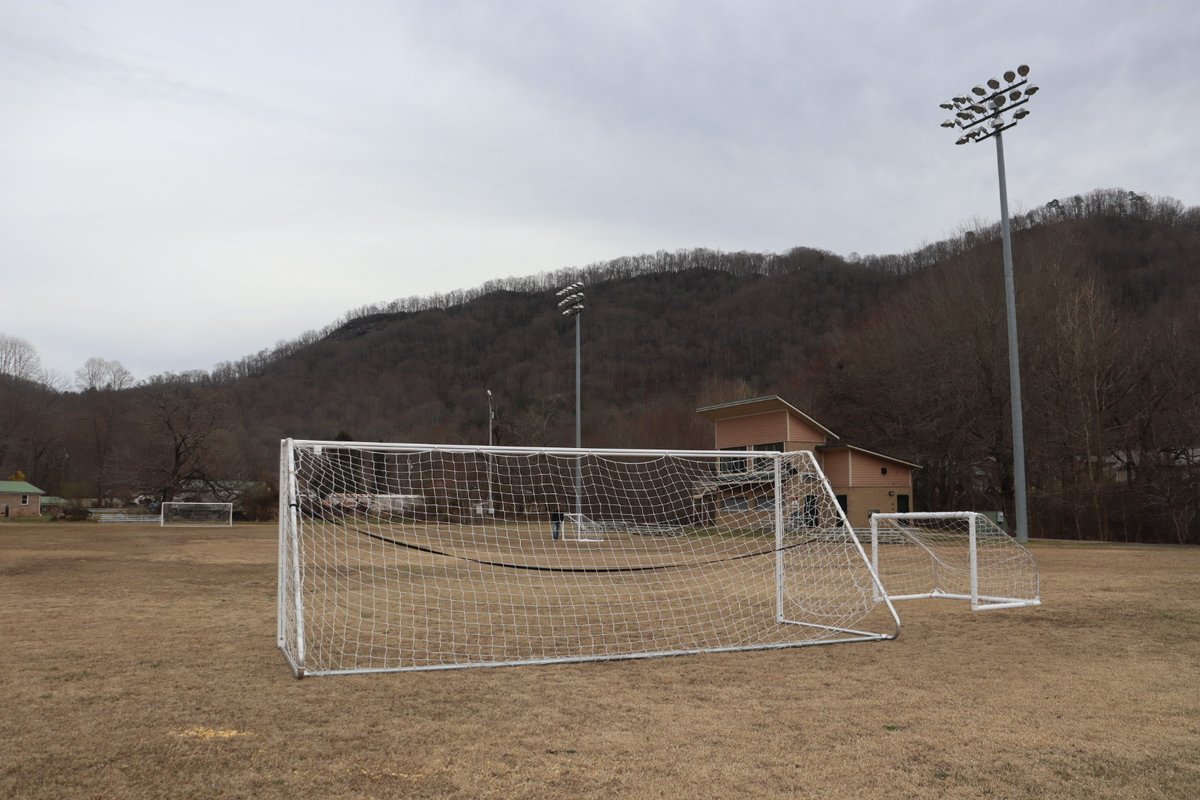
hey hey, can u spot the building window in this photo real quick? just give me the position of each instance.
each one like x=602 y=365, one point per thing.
x=733 y=464
x=730 y=465
x=773 y=447
x=24 y=499
x=883 y=470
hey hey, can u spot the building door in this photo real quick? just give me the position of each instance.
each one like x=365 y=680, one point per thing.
x=902 y=503
x=811 y=515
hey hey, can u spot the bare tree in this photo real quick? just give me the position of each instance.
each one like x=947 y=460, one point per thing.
x=184 y=436
x=925 y=378
x=537 y=424
x=1086 y=379
x=19 y=359
x=100 y=373
x=105 y=412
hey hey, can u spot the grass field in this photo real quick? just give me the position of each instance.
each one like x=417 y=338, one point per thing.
x=141 y=662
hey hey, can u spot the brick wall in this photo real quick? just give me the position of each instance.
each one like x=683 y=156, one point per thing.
x=13 y=501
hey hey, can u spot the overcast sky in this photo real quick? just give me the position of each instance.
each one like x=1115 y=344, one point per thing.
x=183 y=183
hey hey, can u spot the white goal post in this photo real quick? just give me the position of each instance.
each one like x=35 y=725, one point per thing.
x=195 y=515
x=578 y=528
x=386 y=563
x=953 y=554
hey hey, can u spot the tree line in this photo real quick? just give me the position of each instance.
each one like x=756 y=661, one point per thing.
x=905 y=354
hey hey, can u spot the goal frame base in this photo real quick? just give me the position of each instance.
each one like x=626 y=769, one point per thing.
x=860 y=636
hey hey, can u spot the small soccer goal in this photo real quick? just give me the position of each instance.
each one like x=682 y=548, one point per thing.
x=959 y=555
x=196 y=515
x=386 y=562
x=579 y=528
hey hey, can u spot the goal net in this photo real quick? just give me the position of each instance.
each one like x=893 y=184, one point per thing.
x=405 y=557
x=959 y=554
x=196 y=515
x=579 y=528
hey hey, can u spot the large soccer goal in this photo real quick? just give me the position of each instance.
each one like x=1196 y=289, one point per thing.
x=408 y=557
x=957 y=554
x=196 y=515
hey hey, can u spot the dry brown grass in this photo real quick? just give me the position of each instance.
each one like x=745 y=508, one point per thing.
x=137 y=662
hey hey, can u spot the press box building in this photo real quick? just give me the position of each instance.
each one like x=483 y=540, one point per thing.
x=863 y=481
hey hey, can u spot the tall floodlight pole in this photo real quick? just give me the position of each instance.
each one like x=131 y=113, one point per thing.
x=491 y=427
x=571 y=305
x=980 y=114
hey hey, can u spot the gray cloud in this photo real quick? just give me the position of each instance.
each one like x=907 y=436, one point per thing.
x=237 y=173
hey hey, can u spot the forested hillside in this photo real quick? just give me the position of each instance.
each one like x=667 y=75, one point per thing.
x=905 y=354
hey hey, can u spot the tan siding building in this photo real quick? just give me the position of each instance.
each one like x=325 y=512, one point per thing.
x=863 y=481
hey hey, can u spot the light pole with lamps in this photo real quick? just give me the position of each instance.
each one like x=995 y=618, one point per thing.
x=571 y=305
x=981 y=117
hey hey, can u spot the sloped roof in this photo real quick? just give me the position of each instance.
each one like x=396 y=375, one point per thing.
x=18 y=487
x=893 y=459
x=759 y=405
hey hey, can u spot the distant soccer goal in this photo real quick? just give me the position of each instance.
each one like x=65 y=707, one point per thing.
x=578 y=528
x=960 y=555
x=196 y=515
x=658 y=553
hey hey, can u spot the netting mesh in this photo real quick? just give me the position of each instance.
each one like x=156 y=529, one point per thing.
x=400 y=557
x=930 y=555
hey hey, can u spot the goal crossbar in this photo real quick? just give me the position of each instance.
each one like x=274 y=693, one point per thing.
x=387 y=563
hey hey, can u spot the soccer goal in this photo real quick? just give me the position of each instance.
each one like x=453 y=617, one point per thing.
x=960 y=555
x=196 y=515
x=578 y=528
x=669 y=552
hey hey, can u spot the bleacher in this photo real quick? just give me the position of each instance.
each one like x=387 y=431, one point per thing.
x=122 y=516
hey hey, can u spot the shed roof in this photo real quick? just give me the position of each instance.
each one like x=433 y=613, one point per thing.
x=759 y=405
x=828 y=448
x=19 y=487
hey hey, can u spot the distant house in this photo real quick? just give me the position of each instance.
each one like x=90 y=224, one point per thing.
x=20 y=499
x=863 y=481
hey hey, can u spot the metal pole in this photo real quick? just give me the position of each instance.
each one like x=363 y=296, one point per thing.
x=974 y=561
x=491 y=425
x=578 y=423
x=777 y=461
x=1014 y=362
x=572 y=306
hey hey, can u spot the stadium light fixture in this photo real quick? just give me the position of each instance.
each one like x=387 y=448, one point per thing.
x=988 y=121
x=571 y=304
